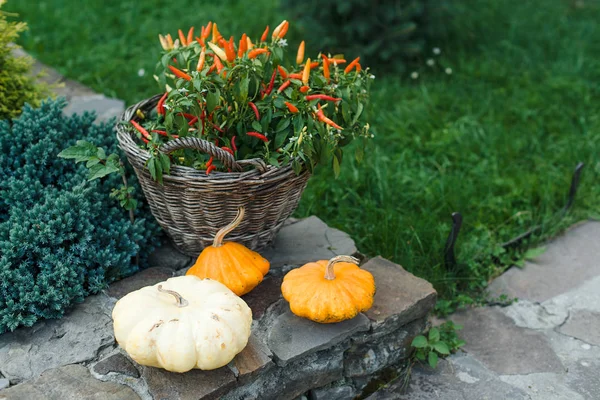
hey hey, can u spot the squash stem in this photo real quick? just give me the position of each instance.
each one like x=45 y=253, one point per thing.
x=232 y=225
x=329 y=274
x=181 y=302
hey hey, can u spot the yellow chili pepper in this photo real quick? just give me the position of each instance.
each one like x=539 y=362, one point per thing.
x=170 y=41
x=218 y=51
x=163 y=42
x=300 y=56
x=326 y=67
x=215 y=34
x=250 y=45
x=306 y=72
x=201 y=59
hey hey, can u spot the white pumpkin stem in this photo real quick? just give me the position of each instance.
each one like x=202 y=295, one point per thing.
x=181 y=302
x=232 y=225
x=329 y=275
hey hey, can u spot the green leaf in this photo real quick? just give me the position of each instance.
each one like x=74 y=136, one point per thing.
x=534 y=253
x=82 y=151
x=152 y=168
x=212 y=100
x=100 y=170
x=241 y=90
x=92 y=161
x=419 y=342
x=282 y=124
x=420 y=354
x=358 y=113
x=441 y=347
x=360 y=153
x=433 y=359
x=280 y=139
x=434 y=335
x=257 y=126
x=165 y=162
x=336 y=166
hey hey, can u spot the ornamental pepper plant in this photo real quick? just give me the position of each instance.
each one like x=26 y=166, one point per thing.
x=252 y=99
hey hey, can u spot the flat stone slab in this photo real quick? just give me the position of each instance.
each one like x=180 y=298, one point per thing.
x=495 y=340
x=461 y=377
x=267 y=293
x=71 y=382
x=117 y=363
x=584 y=325
x=291 y=336
x=192 y=385
x=167 y=256
x=400 y=298
x=146 y=277
x=77 y=337
x=253 y=359
x=568 y=261
x=307 y=240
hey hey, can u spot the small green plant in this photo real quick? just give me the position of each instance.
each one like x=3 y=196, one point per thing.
x=17 y=86
x=439 y=342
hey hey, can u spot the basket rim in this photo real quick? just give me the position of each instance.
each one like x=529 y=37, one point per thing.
x=179 y=173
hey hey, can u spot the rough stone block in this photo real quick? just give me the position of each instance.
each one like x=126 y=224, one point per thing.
x=77 y=337
x=401 y=297
x=71 y=382
x=291 y=336
x=306 y=240
x=502 y=346
x=375 y=355
x=333 y=393
x=264 y=295
x=252 y=360
x=568 y=261
x=116 y=363
x=146 y=277
x=192 y=385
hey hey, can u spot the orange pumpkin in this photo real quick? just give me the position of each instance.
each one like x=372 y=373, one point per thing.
x=329 y=291
x=232 y=264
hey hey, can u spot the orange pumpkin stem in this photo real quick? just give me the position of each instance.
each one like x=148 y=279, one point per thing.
x=232 y=225
x=329 y=275
x=181 y=302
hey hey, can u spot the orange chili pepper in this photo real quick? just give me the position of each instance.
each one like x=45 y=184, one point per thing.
x=277 y=30
x=314 y=64
x=215 y=33
x=141 y=129
x=304 y=89
x=256 y=52
x=250 y=45
x=351 y=65
x=282 y=72
x=326 y=120
x=210 y=169
x=295 y=76
x=179 y=73
x=264 y=35
x=207 y=32
x=284 y=30
x=222 y=42
x=160 y=108
x=182 y=38
x=230 y=50
x=293 y=109
x=243 y=47
x=284 y=86
x=218 y=63
x=325 y=67
x=190 y=36
x=210 y=161
x=358 y=67
x=201 y=59
x=306 y=73
x=337 y=61
x=300 y=55
x=211 y=69
x=201 y=41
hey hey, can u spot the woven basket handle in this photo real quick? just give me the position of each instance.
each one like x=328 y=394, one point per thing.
x=204 y=146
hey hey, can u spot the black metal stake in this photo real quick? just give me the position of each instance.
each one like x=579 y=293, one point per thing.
x=449 y=257
x=574 y=186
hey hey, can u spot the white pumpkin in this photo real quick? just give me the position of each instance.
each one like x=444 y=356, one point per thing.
x=182 y=323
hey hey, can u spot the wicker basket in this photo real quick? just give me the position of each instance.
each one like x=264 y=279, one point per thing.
x=191 y=206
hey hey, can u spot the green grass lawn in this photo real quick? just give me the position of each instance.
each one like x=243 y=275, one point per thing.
x=497 y=139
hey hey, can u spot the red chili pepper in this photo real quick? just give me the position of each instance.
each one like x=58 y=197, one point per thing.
x=190 y=36
x=179 y=73
x=233 y=143
x=227 y=149
x=326 y=73
x=210 y=161
x=282 y=72
x=323 y=118
x=255 y=109
x=210 y=169
x=295 y=76
x=304 y=89
x=321 y=97
x=145 y=140
x=351 y=65
x=264 y=35
x=193 y=121
x=160 y=108
x=284 y=86
x=217 y=142
x=271 y=83
x=164 y=133
x=258 y=135
x=293 y=109
x=141 y=129
x=314 y=64
x=256 y=52
x=211 y=69
x=188 y=116
x=217 y=127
